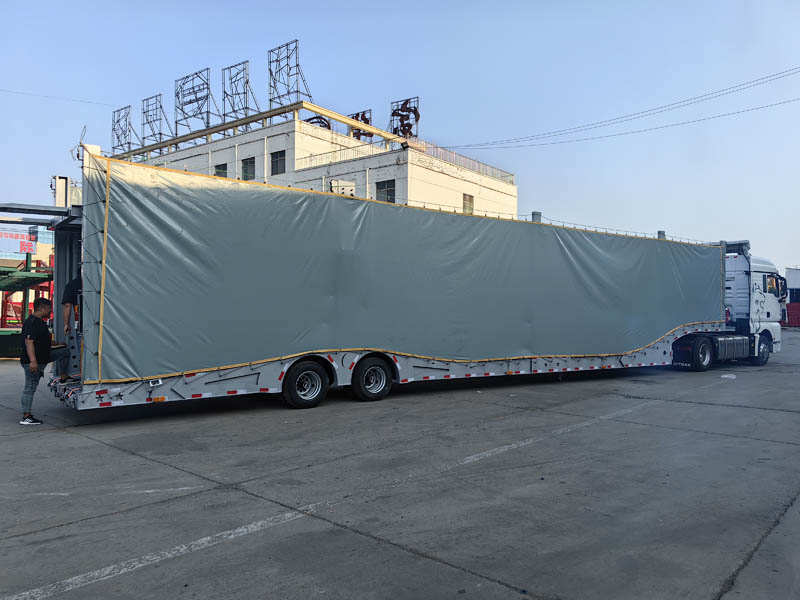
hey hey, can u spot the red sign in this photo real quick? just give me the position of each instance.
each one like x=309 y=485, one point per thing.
x=25 y=247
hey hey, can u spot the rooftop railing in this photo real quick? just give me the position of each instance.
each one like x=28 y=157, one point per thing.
x=366 y=150
x=464 y=161
x=343 y=154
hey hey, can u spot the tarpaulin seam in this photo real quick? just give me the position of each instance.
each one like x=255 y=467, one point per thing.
x=406 y=354
x=406 y=206
x=103 y=278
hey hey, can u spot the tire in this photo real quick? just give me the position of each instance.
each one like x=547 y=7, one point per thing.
x=763 y=352
x=702 y=354
x=305 y=384
x=372 y=380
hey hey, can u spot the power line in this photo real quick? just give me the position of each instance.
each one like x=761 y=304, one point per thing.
x=610 y=135
x=645 y=113
x=56 y=97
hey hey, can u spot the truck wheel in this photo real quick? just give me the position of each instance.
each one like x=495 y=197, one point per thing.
x=702 y=354
x=372 y=380
x=763 y=352
x=305 y=385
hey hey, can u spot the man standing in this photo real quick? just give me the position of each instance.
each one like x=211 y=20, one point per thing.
x=69 y=300
x=36 y=353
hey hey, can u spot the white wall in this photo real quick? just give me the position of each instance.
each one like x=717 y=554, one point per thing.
x=435 y=182
x=420 y=179
x=792 y=277
x=364 y=172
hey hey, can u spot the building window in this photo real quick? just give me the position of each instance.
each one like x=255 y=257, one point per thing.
x=469 y=204
x=384 y=190
x=221 y=170
x=249 y=168
x=278 y=162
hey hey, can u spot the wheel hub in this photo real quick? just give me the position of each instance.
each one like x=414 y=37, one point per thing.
x=374 y=380
x=309 y=385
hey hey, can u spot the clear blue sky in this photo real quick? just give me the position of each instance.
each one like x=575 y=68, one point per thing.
x=483 y=71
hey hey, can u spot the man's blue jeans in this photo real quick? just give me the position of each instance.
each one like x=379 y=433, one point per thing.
x=59 y=356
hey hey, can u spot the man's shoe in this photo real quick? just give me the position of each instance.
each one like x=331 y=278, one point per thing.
x=30 y=420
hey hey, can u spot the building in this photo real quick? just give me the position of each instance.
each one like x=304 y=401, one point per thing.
x=298 y=146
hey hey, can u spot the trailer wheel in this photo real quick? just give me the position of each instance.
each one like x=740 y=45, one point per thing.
x=702 y=354
x=372 y=380
x=763 y=352
x=305 y=385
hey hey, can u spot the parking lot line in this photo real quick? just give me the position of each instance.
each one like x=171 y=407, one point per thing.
x=79 y=581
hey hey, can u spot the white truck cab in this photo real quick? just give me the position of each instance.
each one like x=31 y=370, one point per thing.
x=754 y=297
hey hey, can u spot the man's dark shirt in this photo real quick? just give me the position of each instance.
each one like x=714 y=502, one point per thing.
x=35 y=329
x=71 y=291
x=71 y=295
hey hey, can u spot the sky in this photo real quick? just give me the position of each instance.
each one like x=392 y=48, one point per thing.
x=483 y=72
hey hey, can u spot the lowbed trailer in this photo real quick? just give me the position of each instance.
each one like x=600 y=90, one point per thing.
x=364 y=294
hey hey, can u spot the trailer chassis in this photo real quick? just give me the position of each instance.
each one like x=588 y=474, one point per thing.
x=269 y=377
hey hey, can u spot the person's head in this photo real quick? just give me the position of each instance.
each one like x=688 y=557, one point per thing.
x=42 y=307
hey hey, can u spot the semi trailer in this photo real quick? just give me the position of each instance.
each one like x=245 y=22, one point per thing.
x=320 y=290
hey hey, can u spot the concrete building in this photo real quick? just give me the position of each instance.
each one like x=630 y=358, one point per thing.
x=281 y=147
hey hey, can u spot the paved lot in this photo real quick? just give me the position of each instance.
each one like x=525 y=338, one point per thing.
x=645 y=484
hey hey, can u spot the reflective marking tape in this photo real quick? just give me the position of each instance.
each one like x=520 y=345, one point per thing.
x=352 y=364
x=404 y=381
x=101 y=392
x=104 y=404
x=264 y=390
x=159 y=398
x=197 y=395
x=426 y=376
x=234 y=392
x=333 y=362
x=282 y=373
x=551 y=370
x=576 y=369
x=447 y=376
x=535 y=371
x=565 y=369
x=190 y=374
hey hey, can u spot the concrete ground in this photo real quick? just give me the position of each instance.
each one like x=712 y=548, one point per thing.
x=645 y=484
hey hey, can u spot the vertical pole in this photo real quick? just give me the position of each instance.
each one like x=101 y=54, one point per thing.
x=25 y=292
x=266 y=157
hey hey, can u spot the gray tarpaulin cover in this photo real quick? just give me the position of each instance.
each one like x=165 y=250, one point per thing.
x=204 y=272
